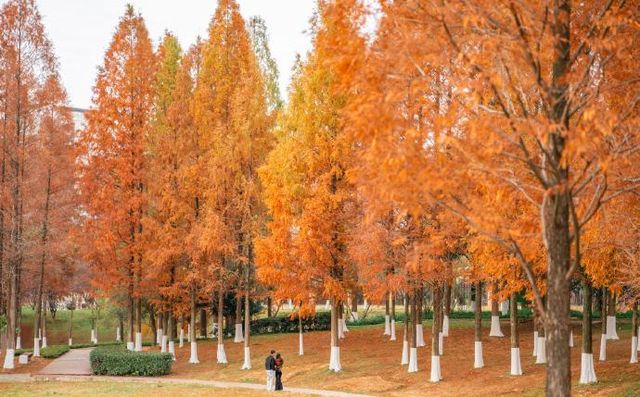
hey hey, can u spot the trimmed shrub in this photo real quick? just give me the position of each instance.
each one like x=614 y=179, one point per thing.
x=85 y=345
x=54 y=351
x=117 y=361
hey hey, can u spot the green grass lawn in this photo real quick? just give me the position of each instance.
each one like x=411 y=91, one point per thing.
x=58 y=327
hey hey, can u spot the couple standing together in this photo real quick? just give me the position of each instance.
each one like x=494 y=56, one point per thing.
x=273 y=365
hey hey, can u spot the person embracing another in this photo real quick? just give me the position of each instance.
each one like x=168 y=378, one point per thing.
x=279 y=364
x=270 y=367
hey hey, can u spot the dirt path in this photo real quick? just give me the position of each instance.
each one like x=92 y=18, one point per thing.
x=75 y=362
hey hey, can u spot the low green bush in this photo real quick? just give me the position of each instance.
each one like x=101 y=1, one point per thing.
x=117 y=361
x=85 y=345
x=54 y=351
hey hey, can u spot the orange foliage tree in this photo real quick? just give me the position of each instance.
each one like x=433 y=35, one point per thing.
x=515 y=94
x=311 y=200
x=230 y=112
x=113 y=166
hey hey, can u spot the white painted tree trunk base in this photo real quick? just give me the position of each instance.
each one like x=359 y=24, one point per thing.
x=535 y=343
x=19 y=343
x=612 y=333
x=118 y=335
x=420 y=336
x=516 y=367
x=300 y=344
x=440 y=343
x=93 y=337
x=130 y=346
x=587 y=370
x=478 y=360
x=9 y=355
x=238 y=337
x=221 y=356
x=181 y=338
x=387 y=325
x=159 y=336
x=571 y=339
x=495 y=327
x=163 y=344
x=334 y=360
x=290 y=304
x=445 y=325
x=138 y=341
x=172 y=349
x=541 y=354
x=340 y=329
x=193 y=358
x=36 y=347
x=70 y=342
x=639 y=334
x=603 y=347
x=413 y=360
x=44 y=342
x=436 y=375
x=392 y=327
x=327 y=304
x=247 y=358
x=344 y=325
x=189 y=333
x=405 y=353
x=634 y=350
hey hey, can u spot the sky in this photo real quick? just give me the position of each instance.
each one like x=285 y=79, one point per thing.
x=81 y=31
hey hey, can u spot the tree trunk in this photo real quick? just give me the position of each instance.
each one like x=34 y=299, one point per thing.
x=247 y=311
x=355 y=295
x=555 y=211
x=435 y=328
x=238 y=309
x=478 y=359
x=138 y=323
x=203 y=323
x=269 y=307
x=587 y=331
x=152 y=323
x=130 y=337
x=334 y=361
x=193 y=358
x=477 y=308
x=222 y=357
x=513 y=319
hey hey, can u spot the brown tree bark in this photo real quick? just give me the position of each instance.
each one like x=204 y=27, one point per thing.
x=414 y=318
x=436 y=324
x=477 y=309
x=192 y=319
x=203 y=323
x=587 y=330
x=513 y=319
x=221 y=317
x=269 y=307
x=335 y=340
x=555 y=212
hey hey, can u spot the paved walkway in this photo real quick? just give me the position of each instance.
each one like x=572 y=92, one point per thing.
x=176 y=381
x=75 y=362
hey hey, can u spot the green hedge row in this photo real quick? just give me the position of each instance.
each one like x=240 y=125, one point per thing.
x=54 y=351
x=117 y=361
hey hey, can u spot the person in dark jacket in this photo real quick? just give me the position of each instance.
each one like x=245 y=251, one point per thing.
x=270 y=367
x=279 y=364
